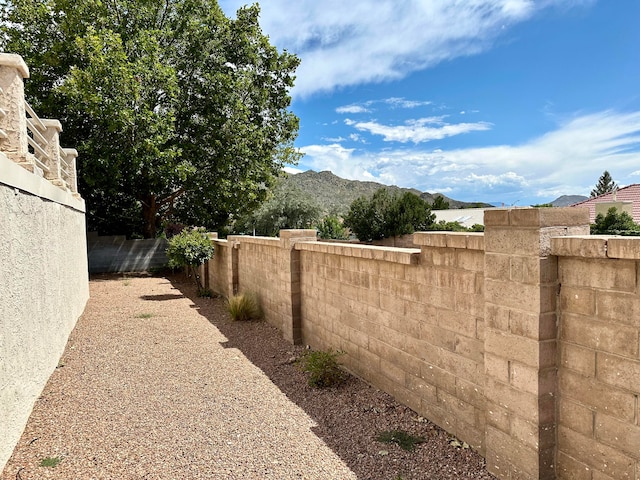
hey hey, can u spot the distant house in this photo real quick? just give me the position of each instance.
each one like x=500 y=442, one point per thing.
x=467 y=217
x=625 y=199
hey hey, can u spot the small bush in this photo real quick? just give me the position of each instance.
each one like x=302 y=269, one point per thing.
x=323 y=368
x=405 y=440
x=51 y=462
x=205 y=292
x=245 y=306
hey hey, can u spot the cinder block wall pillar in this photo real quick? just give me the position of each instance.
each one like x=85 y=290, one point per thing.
x=289 y=276
x=521 y=286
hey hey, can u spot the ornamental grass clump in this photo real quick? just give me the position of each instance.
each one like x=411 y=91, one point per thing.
x=245 y=306
x=323 y=368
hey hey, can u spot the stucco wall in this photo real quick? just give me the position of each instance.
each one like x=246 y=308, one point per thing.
x=599 y=358
x=43 y=289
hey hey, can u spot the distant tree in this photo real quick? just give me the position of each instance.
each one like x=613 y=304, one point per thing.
x=386 y=215
x=605 y=185
x=543 y=205
x=330 y=227
x=289 y=207
x=442 y=225
x=439 y=203
x=615 y=223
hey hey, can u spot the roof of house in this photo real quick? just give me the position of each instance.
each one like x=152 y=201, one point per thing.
x=467 y=217
x=630 y=193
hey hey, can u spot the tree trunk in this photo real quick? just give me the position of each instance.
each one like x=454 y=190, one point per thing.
x=150 y=215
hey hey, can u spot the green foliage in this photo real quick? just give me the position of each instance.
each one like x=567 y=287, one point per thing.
x=289 y=207
x=386 y=215
x=605 y=185
x=178 y=112
x=405 y=440
x=245 y=306
x=439 y=203
x=322 y=367
x=205 y=293
x=615 y=223
x=51 y=462
x=543 y=205
x=330 y=227
x=454 y=227
x=190 y=248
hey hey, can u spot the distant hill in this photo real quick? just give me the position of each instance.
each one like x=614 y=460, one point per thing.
x=567 y=200
x=336 y=194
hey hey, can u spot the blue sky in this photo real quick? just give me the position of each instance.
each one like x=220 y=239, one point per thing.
x=511 y=102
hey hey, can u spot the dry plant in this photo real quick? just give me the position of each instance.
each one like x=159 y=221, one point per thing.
x=245 y=306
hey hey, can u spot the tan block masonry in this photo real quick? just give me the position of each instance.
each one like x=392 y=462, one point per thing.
x=599 y=358
x=464 y=331
x=393 y=312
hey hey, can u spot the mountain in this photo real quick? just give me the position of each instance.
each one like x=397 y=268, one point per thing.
x=566 y=200
x=335 y=194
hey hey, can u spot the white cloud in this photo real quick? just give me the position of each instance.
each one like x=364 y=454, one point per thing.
x=362 y=41
x=568 y=160
x=352 y=109
x=420 y=130
x=292 y=171
x=399 y=102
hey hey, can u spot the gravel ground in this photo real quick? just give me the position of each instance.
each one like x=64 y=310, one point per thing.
x=156 y=383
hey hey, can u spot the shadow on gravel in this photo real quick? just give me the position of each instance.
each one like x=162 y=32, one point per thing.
x=350 y=417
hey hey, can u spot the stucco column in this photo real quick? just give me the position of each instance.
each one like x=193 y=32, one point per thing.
x=52 y=148
x=13 y=118
x=71 y=155
x=289 y=277
x=521 y=286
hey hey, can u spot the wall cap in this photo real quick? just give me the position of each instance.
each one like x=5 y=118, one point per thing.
x=468 y=240
x=405 y=256
x=14 y=60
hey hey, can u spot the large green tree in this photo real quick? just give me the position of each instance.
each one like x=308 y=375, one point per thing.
x=386 y=215
x=178 y=112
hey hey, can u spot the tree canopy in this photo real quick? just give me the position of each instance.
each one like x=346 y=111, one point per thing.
x=605 y=185
x=385 y=215
x=287 y=207
x=179 y=113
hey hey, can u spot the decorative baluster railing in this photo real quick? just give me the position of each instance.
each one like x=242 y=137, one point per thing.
x=28 y=140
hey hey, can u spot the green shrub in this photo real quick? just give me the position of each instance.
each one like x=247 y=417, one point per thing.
x=245 y=306
x=190 y=248
x=615 y=223
x=331 y=228
x=323 y=368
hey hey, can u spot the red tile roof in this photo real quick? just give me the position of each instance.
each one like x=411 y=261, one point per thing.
x=630 y=193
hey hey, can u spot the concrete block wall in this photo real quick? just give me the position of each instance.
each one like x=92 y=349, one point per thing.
x=599 y=358
x=222 y=269
x=520 y=339
x=523 y=341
